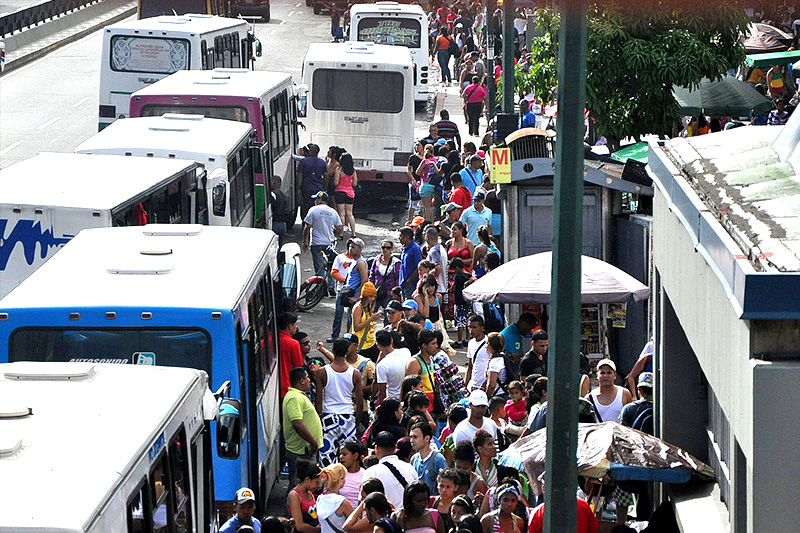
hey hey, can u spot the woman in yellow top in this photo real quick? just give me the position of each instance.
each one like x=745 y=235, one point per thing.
x=364 y=317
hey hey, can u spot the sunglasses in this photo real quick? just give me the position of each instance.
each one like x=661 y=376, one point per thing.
x=386 y=247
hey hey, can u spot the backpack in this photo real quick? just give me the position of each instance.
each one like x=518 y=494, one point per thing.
x=512 y=370
x=644 y=418
x=432 y=178
x=493 y=318
x=453 y=48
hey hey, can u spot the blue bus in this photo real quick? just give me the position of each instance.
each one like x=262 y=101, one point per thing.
x=184 y=295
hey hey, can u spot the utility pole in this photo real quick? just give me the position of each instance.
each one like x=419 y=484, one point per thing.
x=508 y=56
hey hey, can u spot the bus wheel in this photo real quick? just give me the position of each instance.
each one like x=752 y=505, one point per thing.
x=265 y=16
x=317 y=8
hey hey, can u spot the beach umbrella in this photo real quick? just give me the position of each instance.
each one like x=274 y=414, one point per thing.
x=764 y=38
x=727 y=97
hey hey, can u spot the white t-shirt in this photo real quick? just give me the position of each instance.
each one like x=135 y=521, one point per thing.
x=322 y=219
x=480 y=360
x=392 y=488
x=392 y=369
x=438 y=256
x=466 y=431
x=344 y=264
x=497 y=364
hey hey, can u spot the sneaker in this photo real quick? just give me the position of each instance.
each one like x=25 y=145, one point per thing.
x=330 y=340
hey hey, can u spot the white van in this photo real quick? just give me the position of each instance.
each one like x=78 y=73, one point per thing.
x=87 y=447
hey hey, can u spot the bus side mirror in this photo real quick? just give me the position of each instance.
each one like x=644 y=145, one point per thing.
x=229 y=429
x=258 y=48
x=302 y=101
x=219 y=198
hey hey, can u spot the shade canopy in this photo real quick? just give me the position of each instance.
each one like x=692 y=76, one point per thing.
x=728 y=97
x=765 y=38
x=636 y=151
x=527 y=281
x=771 y=59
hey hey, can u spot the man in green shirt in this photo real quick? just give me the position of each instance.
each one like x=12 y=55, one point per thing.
x=302 y=429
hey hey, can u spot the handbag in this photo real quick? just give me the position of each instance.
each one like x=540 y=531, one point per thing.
x=383 y=292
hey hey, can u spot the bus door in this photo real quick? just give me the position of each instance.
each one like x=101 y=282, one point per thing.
x=247 y=361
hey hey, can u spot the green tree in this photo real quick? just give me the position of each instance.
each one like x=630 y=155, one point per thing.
x=637 y=51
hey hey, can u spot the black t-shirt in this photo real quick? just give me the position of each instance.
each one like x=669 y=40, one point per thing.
x=458 y=287
x=414 y=162
x=280 y=206
x=465 y=22
x=531 y=364
x=447 y=170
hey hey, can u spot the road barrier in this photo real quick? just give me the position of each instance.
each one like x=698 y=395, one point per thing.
x=33 y=15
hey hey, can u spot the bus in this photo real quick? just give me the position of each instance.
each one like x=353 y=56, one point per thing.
x=95 y=448
x=181 y=295
x=265 y=100
x=396 y=24
x=153 y=8
x=226 y=149
x=360 y=96
x=137 y=53
x=48 y=198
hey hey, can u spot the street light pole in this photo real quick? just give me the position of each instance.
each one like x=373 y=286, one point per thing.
x=508 y=56
x=562 y=390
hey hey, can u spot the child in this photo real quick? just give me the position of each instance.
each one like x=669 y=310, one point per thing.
x=462 y=309
x=456 y=414
x=515 y=407
x=497 y=412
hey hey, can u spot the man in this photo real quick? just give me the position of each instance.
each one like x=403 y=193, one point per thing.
x=479 y=66
x=438 y=256
x=367 y=370
x=427 y=462
x=476 y=216
x=245 y=507
x=310 y=177
x=340 y=270
x=302 y=428
x=358 y=274
x=608 y=399
x=410 y=308
x=471 y=176
x=535 y=361
x=643 y=364
x=281 y=210
x=475 y=99
x=421 y=364
x=391 y=368
x=448 y=130
x=394 y=314
x=526 y=117
x=466 y=429
x=463 y=19
x=373 y=507
x=639 y=415
x=459 y=196
x=289 y=349
x=477 y=356
x=513 y=334
x=338 y=388
x=321 y=225
x=393 y=473
x=587 y=521
x=409 y=262
x=433 y=136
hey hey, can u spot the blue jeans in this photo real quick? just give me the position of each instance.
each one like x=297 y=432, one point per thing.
x=338 y=314
x=443 y=56
x=280 y=229
x=319 y=265
x=408 y=290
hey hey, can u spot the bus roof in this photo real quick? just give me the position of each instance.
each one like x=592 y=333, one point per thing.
x=180 y=24
x=83 y=438
x=217 y=82
x=386 y=7
x=84 y=181
x=175 y=135
x=356 y=51
x=154 y=266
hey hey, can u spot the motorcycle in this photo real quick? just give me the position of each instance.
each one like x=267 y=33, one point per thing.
x=314 y=289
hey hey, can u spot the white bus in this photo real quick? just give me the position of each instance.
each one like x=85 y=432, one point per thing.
x=399 y=25
x=49 y=198
x=137 y=53
x=180 y=295
x=89 y=447
x=265 y=100
x=226 y=149
x=360 y=96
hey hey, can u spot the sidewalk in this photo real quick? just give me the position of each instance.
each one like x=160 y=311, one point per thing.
x=449 y=98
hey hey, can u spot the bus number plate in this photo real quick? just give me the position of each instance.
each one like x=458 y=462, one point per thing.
x=361 y=163
x=356 y=120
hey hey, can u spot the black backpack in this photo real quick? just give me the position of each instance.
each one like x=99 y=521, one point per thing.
x=644 y=418
x=512 y=370
x=453 y=48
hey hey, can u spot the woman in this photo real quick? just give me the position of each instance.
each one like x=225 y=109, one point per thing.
x=464 y=456
x=537 y=396
x=333 y=508
x=427 y=190
x=443 y=54
x=350 y=456
x=452 y=166
x=364 y=317
x=385 y=273
x=415 y=517
x=503 y=518
x=387 y=418
x=386 y=525
x=413 y=179
x=428 y=300
x=459 y=509
x=446 y=483
x=484 y=247
x=486 y=467
x=460 y=246
x=332 y=162
x=345 y=180
x=301 y=501
x=496 y=370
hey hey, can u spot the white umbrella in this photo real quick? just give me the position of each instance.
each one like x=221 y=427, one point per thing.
x=527 y=281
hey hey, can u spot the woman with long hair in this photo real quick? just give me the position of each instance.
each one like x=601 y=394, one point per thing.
x=332 y=165
x=496 y=370
x=503 y=519
x=482 y=249
x=351 y=455
x=460 y=246
x=415 y=517
x=428 y=300
x=301 y=502
x=364 y=317
x=426 y=190
x=387 y=418
x=385 y=273
x=333 y=508
x=345 y=180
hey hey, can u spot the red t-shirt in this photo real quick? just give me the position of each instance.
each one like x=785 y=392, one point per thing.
x=290 y=357
x=587 y=522
x=474 y=93
x=461 y=196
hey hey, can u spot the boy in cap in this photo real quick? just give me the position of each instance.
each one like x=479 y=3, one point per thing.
x=466 y=429
x=245 y=507
x=477 y=215
x=608 y=399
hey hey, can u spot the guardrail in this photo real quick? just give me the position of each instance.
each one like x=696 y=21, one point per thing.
x=33 y=15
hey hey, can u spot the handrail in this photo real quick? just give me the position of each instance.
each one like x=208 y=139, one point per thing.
x=33 y=15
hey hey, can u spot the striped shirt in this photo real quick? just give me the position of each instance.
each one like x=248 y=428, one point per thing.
x=447 y=129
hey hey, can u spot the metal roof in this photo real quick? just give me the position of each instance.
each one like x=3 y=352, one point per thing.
x=217 y=82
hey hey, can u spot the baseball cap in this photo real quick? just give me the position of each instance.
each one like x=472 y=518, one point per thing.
x=607 y=362
x=384 y=439
x=320 y=194
x=481 y=153
x=452 y=206
x=245 y=495
x=410 y=304
x=440 y=142
x=475 y=157
x=416 y=222
x=355 y=240
x=428 y=324
x=646 y=379
x=478 y=398
x=479 y=195
x=352 y=337
x=394 y=305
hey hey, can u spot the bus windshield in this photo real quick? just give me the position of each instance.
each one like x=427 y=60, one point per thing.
x=151 y=55
x=356 y=90
x=236 y=113
x=163 y=347
x=398 y=32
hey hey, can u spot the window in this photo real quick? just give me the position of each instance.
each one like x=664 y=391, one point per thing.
x=262 y=313
x=357 y=90
x=398 y=32
x=160 y=494
x=151 y=55
x=236 y=51
x=179 y=469
x=203 y=55
x=139 y=512
x=237 y=113
x=272 y=322
x=240 y=177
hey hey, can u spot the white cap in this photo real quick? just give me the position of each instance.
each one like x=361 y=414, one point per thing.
x=478 y=398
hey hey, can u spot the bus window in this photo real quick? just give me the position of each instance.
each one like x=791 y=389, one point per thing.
x=140 y=515
x=236 y=54
x=356 y=90
x=274 y=127
x=150 y=55
x=272 y=323
x=241 y=179
x=285 y=123
x=179 y=470
x=160 y=494
x=244 y=399
x=203 y=56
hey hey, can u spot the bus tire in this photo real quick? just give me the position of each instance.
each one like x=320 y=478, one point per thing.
x=310 y=294
x=317 y=9
x=265 y=16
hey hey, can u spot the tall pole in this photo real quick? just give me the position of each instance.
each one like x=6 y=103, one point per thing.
x=488 y=29
x=508 y=56
x=562 y=390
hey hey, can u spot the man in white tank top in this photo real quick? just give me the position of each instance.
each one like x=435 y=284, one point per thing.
x=337 y=384
x=608 y=399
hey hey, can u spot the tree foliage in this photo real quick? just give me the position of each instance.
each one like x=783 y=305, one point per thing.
x=637 y=51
